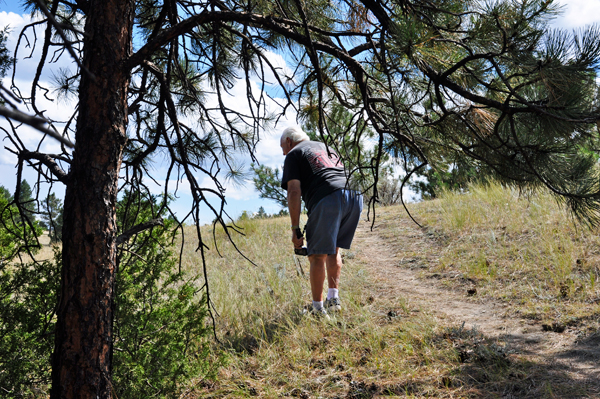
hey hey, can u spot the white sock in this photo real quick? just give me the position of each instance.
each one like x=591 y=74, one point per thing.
x=317 y=305
x=332 y=293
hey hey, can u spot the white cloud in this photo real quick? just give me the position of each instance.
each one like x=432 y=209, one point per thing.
x=278 y=62
x=578 y=13
x=14 y=21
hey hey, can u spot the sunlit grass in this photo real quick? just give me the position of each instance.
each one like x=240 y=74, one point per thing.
x=45 y=252
x=277 y=351
x=379 y=346
x=525 y=250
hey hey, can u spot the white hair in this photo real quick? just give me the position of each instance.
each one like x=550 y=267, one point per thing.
x=295 y=134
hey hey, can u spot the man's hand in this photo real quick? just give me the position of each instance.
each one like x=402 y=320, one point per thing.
x=298 y=242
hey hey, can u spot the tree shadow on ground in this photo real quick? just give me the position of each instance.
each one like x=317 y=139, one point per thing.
x=512 y=367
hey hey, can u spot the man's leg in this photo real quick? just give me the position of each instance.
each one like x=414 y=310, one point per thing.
x=334 y=269
x=317 y=276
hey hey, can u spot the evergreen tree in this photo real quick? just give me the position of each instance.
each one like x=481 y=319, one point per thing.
x=261 y=214
x=8 y=245
x=52 y=215
x=159 y=329
x=5 y=60
x=15 y=236
x=268 y=184
x=25 y=201
x=4 y=193
x=453 y=176
x=486 y=80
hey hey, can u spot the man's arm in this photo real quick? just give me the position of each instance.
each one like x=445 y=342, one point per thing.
x=294 y=197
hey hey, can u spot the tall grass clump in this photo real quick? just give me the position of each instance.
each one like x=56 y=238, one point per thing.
x=524 y=248
x=255 y=282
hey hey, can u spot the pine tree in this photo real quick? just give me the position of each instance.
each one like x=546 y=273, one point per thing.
x=5 y=193
x=5 y=58
x=486 y=80
x=25 y=201
x=268 y=184
x=52 y=215
x=261 y=214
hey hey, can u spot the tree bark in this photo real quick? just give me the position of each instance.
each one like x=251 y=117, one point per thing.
x=82 y=359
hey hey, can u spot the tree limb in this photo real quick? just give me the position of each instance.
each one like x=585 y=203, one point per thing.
x=34 y=122
x=139 y=228
x=67 y=43
x=48 y=161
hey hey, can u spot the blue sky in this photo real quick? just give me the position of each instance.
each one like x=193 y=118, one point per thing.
x=577 y=13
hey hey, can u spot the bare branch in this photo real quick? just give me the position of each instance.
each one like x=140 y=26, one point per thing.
x=35 y=122
x=48 y=161
x=138 y=229
x=66 y=41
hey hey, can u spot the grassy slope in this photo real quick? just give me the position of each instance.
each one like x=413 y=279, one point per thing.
x=525 y=252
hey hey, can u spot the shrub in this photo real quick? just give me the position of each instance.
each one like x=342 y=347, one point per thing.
x=28 y=297
x=159 y=325
x=159 y=321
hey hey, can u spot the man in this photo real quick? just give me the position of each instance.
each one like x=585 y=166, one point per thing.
x=316 y=174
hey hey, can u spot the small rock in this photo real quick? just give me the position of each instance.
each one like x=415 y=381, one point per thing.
x=464 y=355
x=564 y=290
x=300 y=393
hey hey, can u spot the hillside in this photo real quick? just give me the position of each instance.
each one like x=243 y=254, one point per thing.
x=496 y=296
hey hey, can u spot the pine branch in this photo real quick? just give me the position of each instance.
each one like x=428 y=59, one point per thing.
x=48 y=161
x=35 y=122
x=67 y=42
x=138 y=229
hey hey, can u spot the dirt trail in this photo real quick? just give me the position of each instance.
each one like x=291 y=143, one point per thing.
x=398 y=266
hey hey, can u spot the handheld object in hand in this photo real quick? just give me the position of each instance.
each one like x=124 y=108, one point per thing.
x=301 y=251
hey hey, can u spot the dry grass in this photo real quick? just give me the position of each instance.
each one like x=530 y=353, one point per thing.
x=376 y=346
x=46 y=252
x=523 y=251
x=526 y=251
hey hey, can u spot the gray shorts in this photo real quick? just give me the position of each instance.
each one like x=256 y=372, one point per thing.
x=332 y=222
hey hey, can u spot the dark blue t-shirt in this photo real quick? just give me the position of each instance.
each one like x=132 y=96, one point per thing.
x=320 y=173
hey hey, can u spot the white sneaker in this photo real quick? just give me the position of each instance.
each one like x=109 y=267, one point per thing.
x=319 y=313
x=333 y=304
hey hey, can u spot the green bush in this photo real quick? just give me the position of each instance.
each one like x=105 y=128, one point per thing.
x=15 y=235
x=160 y=324
x=160 y=333
x=28 y=296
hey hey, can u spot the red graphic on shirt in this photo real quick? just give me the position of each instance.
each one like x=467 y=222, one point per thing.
x=319 y=159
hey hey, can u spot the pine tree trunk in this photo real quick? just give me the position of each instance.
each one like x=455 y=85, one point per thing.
x=82 y=361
